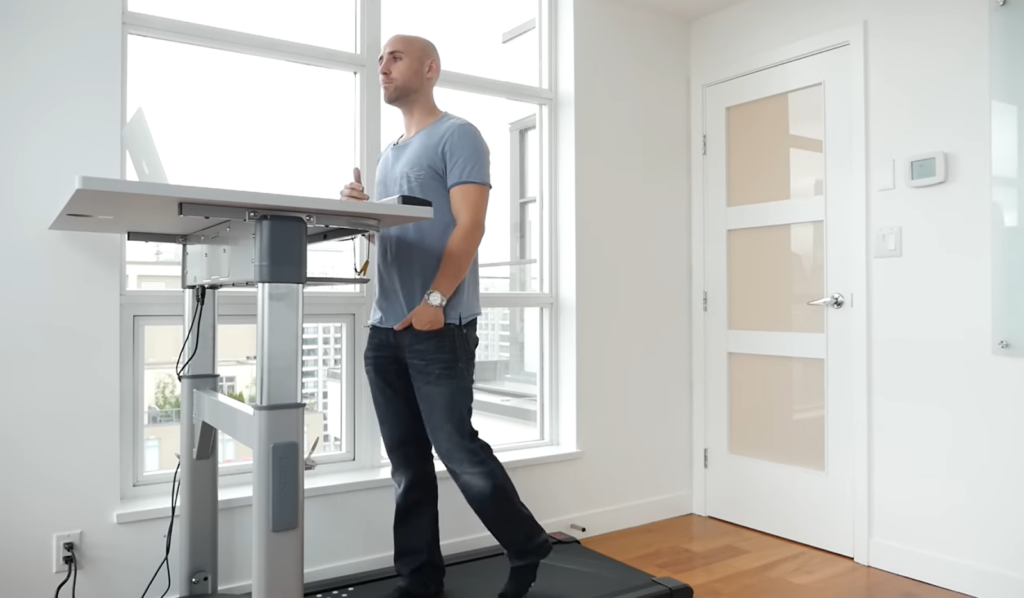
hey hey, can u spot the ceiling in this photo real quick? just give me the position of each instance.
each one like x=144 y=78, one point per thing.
x=690 y=9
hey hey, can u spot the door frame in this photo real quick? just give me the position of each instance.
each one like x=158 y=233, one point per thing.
x=854 y=38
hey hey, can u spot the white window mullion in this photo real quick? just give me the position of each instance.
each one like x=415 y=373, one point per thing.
x=494 y=87
x=237 y=41
x=366 y=437
x=546 y=55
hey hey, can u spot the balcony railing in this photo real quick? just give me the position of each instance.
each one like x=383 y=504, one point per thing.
x=155 y=417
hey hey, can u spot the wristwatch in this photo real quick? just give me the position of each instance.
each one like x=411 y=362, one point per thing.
x=435 y=299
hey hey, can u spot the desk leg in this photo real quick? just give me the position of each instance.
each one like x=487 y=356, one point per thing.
x=197 y=501
x=278 y=453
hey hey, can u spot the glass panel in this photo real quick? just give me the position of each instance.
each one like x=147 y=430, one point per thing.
x=773 y=272
x=493 y=116
x=776 y=148
x=777 y=409
x=497 y=39
x=236 y=365
x=326 y=23
x=223 y=119
x=327 y=393
x=257 y=125
x=152 y=266
x=161 y=397
x=1007 y=70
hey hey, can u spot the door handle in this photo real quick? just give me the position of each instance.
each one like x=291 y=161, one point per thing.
x=836 y=301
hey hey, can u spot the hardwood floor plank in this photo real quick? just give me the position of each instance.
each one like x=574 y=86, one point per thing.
x=721 y=560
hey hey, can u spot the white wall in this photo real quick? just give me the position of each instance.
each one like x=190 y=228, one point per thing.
x=59 y=118
x=946 y=414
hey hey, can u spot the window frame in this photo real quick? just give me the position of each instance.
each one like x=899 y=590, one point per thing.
x=137 y=315
x=363 y=432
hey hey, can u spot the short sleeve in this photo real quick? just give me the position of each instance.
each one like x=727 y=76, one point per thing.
x=467 y=157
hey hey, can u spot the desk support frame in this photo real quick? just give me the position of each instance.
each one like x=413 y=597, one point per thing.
x=233 y=238
x=272 y=426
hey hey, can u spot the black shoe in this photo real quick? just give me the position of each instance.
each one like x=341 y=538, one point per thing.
x=520 y=579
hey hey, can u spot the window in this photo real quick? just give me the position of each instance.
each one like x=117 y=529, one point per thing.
x=158 y=393
x=503 y=41
x=266 y=125
x=326 y=23
x=283 y=97
x=152 y=462
x=507 y=406
x=226 y=386
x=512 y=169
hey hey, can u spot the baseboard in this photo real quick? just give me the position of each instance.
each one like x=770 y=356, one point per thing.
x=965 y=577
x=625 y=516
x=596 y=522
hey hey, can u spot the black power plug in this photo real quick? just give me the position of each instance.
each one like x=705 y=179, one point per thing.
x=72 y=563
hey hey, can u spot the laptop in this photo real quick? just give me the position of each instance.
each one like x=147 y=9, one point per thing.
x=138 y=141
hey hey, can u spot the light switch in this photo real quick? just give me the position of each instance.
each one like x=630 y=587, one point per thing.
x=888 y=242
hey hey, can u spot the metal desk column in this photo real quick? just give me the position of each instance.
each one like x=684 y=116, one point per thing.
x=278 y=453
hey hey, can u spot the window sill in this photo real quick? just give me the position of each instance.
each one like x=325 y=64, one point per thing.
x=145 y=509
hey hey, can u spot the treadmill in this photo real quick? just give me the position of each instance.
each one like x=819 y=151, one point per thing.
x=571 y=571
x=235 y=238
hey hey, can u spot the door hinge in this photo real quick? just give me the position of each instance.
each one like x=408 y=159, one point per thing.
x=705 y=300
x=705 y=458
x=705 y=145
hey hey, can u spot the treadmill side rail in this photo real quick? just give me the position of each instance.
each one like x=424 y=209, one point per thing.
x=678 y=588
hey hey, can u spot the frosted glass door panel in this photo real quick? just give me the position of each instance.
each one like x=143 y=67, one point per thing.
x=776 y=148
x=774 y=271
x=777 y=409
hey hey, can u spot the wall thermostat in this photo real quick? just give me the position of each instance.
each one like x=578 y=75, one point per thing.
x=925 y=169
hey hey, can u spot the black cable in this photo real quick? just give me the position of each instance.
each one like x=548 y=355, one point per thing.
x=74 y=563
x=63 y=583
x=170 y=532
x=201 y=300
x=175 y=490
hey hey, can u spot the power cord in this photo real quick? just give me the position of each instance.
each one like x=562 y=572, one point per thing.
x=175 y=489
x=360 y=271
x=196 y=314
x=197 y=320
x=72 y=562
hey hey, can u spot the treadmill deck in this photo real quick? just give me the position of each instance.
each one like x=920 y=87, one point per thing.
x=571 y=571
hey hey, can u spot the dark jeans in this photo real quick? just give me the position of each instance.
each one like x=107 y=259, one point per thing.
x=422 y=386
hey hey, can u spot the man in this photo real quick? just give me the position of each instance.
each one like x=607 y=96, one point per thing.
x=420 y=354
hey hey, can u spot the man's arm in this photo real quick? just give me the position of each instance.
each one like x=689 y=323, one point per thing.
x=469 y=207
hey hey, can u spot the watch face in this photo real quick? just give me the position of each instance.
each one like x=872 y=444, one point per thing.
x=434 y=298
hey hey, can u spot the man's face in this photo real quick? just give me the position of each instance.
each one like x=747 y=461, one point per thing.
x=402 y=72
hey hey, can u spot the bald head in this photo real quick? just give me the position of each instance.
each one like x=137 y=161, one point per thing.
x=417 y=46
x=409 y=68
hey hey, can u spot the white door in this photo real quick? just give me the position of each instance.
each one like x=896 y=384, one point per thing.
x=779 y=248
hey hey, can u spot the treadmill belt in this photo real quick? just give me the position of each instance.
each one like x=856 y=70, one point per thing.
x=572 y=571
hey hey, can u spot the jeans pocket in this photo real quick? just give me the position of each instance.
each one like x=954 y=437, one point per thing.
x=466 y=343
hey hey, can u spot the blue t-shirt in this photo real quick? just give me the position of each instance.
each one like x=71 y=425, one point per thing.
x=448 y=152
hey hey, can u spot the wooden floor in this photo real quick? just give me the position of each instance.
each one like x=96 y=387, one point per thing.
x=718 y=560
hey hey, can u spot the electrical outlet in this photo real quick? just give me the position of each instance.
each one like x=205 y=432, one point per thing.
x=59 y=553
